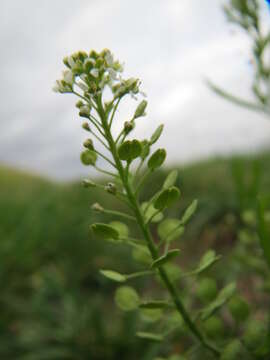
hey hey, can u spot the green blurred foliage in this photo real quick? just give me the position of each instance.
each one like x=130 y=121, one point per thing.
x=55 y=305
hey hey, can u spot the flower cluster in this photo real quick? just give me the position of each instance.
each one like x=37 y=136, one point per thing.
x=92 y=72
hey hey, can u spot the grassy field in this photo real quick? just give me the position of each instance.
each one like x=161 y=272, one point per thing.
x=54 y=304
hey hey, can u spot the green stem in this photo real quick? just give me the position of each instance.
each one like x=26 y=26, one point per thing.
x=148 y=237
x=119 y=213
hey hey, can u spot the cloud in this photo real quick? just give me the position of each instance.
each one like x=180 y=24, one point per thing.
x=172 y=46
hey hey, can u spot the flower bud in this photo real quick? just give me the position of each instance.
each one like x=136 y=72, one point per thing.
x=79 y=104
x=97 y=207
x=111 y=188
x=86 y=126
x=140 y=109
x=128 y=127
x=84 y=111
x=88 y=144
x=88 y=183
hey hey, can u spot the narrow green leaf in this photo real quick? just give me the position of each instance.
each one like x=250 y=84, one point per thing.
x=157 y=159
x=189 y=212
x=104 y=231
x=165 y=258
x=149 y=336
x=155 y=304
x=130 y=150
x=208 y=259
x=166 y=198
x=156 y=135
x=88 y=157
x=126 y=298
x=225 y=294
x=113 y=275
x=170 y=179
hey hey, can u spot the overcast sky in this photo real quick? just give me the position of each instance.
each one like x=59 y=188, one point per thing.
x=171 y=45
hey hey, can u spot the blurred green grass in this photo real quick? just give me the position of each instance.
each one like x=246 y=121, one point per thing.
x=54 y=304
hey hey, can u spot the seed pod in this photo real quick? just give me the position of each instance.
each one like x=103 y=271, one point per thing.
x=140 y=109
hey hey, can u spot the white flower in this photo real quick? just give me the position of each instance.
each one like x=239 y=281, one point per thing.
x=71 y=62
x=109 y=58
x=82 y=86
x=112 y=74
x=94 y=72
x=68 y=77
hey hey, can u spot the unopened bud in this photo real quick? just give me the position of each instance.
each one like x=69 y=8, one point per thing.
x=88 y=144
x=128 y=127
x=97 y=207
x=111 y=188
x=140 y=109
x=84 y=111
x=88 y=183
x=79 y=104
x=86 y=126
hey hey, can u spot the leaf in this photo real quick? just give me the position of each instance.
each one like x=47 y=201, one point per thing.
x=157 y=159
x=88 y=157
x=104 y=231
x=166 y=198
x=120 y=227
x=156 y=135
x=225 y=294
x=208 y=259
x=165 y=258
x=130 y=150
x=149 y=336
x=155 y=304
x=126 y=298
x=189 y=212
x=170 y=179
x=170 y=229
x=150 y=212
x=113 y=275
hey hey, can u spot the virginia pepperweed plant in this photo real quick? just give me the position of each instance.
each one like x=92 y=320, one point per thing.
x=96 y=79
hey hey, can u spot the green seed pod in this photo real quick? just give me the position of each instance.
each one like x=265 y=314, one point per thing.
x=111 y=188
x=88 y=183
x=88 y=144
x=157 y=159
x=239 y=308
x=214 y=327
x=233 y=351
x=254 y=334
x=166 y=198
x=140 y=109
x=130 y=150
x=207 y=290
x=88 y=157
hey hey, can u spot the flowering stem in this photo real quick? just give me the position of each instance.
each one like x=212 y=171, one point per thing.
x=148 y=237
